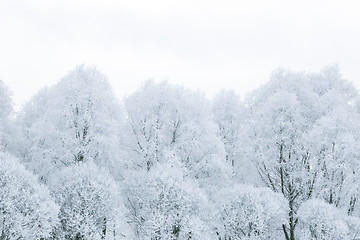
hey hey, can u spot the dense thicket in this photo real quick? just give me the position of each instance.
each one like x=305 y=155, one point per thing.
x=166 y=163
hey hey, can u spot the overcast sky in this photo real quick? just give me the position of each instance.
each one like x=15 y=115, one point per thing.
x=197 y=43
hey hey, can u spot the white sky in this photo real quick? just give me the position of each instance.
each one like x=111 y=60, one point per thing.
x=197 y=43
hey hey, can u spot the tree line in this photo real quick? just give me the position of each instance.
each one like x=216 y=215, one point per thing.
x=167 y=163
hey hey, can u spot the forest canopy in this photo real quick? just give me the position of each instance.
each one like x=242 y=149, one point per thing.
x=167 y=163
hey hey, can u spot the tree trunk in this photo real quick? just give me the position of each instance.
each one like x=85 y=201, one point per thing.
x=103 y=233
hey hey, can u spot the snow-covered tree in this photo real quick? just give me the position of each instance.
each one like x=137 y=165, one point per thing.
x=283 y=113
x=76 y=120
x=163 y=117
x=229 y=114
x=335 y=142
x=166 y=204
x=334 y=139
x=181 y=159
x=91 y=205
x=276 y=137
x=6 y=111
x=320 y=220
x=246 y=212
x=26 y=209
